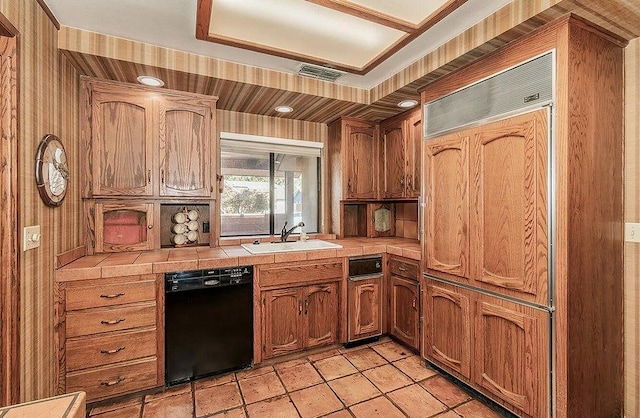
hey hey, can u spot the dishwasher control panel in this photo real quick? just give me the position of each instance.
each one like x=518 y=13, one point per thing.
x=200 y=279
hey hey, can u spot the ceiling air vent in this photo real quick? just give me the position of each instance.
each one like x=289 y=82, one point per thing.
x=321 y=73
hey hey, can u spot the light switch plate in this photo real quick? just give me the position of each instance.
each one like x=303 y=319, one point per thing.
x=632 y=232
x=30 y=237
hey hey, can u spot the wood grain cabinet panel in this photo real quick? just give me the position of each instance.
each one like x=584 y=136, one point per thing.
x=282 y=321
x=447 y=211
x=123 y=226
x=365 y=308
x=113 y=318
x=448 y=328
x=320 y=314
x=99 y=295
x=400 y=148
x=360 y=155
x=405 y=310
x=122 y=142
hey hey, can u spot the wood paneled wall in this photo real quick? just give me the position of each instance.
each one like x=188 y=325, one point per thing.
x=250 y=124
x=632 y=214
x=47 y=103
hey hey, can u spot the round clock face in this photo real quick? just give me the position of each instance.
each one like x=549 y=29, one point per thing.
x=52 y=172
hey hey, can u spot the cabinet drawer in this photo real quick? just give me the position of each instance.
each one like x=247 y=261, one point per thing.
x=105 y=382
x=299 y=274
x=100 y=350
x=404 y=269
x=94 y=321
x=108 y=294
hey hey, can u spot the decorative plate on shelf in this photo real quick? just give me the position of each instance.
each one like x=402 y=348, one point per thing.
x=52 y=172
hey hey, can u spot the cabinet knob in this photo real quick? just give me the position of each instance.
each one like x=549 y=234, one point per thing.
x=150 y=226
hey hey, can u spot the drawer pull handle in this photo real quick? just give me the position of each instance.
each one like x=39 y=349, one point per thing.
x=402 y=269
x=112 y=322
x=112 y=296
x=112 y=351
x=113 y=382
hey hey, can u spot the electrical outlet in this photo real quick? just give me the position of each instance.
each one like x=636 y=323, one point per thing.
x=632 y=232
x=30 y=237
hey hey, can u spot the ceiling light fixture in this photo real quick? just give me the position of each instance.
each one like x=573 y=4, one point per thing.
x=284 y=109
x=405 y=104
x=148 y=80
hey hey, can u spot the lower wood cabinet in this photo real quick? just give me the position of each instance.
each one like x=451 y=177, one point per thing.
x=497 y=346
x=365 y=308
x=299 y=317
x=297 y=306
x=404 y=301
x=109 y=339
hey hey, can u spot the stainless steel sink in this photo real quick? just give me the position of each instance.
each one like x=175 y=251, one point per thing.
x=283 y=247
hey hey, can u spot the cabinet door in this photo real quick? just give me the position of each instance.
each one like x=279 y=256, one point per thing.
x=185 y=148
x=365 y=308
x=412 y=155
x=360 y=160
x=509 y=200
x=282 y=321
x=405 y=312
x=511 y=354
x=124 y=227
x=393 y=159
x=447 y=330
x=447 y=210
x=122 y=132
x=321 y=314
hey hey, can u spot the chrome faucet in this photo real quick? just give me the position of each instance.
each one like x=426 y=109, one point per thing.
x=284 y=234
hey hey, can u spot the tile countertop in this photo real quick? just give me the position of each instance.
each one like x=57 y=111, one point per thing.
x=70 y=405
x=178 y=259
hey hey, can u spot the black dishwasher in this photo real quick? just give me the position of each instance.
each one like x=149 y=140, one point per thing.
x=208 y=322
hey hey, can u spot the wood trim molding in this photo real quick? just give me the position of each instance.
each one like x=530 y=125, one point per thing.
x=9 y=282
x=367 y=14
x=69 y=256
x=49 y=13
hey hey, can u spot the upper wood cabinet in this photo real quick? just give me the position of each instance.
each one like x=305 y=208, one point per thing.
x=491 y=233
x=145 y=142
x=359 y=152
x=400 y=155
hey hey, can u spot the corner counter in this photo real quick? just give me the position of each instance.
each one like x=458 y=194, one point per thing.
x=70 y=405
x=179 y=259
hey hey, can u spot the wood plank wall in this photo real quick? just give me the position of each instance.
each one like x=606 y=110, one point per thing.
x=632 y=214
x=48 y=92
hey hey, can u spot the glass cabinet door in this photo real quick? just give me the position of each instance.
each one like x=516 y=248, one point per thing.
x=123 y=227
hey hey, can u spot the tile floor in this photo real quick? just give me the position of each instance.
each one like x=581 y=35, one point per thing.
x=382 y=379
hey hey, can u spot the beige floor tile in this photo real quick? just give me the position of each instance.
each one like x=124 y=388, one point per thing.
x=232 y=413
x=379 y=407
x=365 y=359
x=323 y=354
x=340 y=414
x=214 y=381
x=392 y=351
x=115 y=406
x=299 y=377
x=448 y=414
x=131 y=411
x=334 y=367
x=261 y=387
x=354 y=389
x=213 y=399
x=179 y=406
x=475 y=409
x=316 y=401
x=290 y=363
x=415 y=368
x=416 y=402
x=281 y=407
x=387 y=378
x=245 y=374
x=176 y=390
x=445 y=391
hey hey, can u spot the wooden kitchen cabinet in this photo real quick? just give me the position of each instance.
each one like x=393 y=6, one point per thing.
x=447 y=328
x=401 y=138
x=122 y=226
x=487 y=204
x=365 y=308
x=146 y=142
x=298 y=307
x=109 y=335
x=404 y=301
x=300 y=317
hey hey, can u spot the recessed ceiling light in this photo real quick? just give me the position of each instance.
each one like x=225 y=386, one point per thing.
x=284 y=109
x=405 y=104
x=148 y=80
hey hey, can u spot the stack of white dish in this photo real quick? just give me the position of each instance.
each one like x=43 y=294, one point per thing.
x=185 y=227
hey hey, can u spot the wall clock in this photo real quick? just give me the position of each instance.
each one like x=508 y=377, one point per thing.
x=52 y=172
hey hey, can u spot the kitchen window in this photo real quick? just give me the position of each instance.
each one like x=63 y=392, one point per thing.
x=267 y=182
